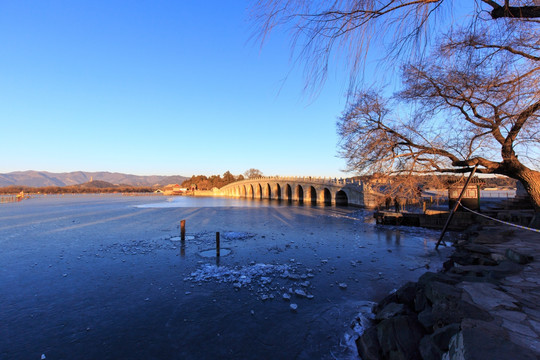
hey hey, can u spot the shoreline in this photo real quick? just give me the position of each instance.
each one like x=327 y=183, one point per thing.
x=483 y=304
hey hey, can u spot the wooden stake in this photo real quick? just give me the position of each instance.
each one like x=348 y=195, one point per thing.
x=217 y=244
x=183 y=230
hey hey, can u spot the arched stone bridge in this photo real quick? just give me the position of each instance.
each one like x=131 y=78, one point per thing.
x=311 y=190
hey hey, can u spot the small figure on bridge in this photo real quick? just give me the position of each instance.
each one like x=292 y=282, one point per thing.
x=396 y=203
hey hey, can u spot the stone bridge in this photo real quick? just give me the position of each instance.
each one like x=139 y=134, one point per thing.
x=323 y=191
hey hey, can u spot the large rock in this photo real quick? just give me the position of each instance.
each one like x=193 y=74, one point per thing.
x=428 y=349
x=477 y=248
x=368 y=345
x=501 y=270
x=517 y=257
x=391 y=310
x=479 y=340
x=437 y=291
x=406 y=294
x=441 y=337
x=448 y=307
x=439 y=277
x=487 y=296
x=425 y=317
x=492 y=236
x=399 y=338
x=446 y=312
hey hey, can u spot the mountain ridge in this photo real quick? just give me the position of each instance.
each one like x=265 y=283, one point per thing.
x=36 y=178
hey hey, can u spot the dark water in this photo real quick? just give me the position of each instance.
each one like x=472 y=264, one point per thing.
x=102 y=277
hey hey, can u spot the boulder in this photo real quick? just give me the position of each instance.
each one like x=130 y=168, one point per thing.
x=391 y=310
x=441 y=337
x=368 y=345
x=477 y=248
x=487 y=296
x=480 y=340
x=440 y=292
x=399 y=337
x=446 y=312
x=407 y=294
x=501 y=270
x=428 y=349
x=517 y=257
x=391 y=298
x=425 y=317
x=447 y=278
x=420 y=301
x=492 y=236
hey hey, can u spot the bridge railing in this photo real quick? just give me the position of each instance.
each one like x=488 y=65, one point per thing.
x=311 y=179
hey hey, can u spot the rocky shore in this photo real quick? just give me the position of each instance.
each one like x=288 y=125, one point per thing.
x=484 y=304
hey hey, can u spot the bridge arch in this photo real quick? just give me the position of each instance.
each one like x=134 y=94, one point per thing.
x=312 y=195
x=243 y=191
x=288 y=193
x=299 y=193
x=250 y=193
x=341 y=198
x=267 y=192
x=326 y=197
x=258 y=192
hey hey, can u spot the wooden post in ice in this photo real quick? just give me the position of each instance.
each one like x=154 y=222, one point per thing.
x=182 y=230
x=217 y=244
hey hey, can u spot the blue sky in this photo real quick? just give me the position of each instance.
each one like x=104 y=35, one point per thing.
x=165 y=87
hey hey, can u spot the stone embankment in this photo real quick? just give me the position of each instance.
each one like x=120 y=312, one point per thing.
x=484 y=304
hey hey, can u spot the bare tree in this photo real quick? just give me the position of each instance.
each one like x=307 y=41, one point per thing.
x=253 y=173
x=470 y=94
x=475 y=101
x=321 y=29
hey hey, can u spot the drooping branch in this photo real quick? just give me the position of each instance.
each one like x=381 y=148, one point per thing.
x=521 y=12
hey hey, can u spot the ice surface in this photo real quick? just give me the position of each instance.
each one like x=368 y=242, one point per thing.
x=133 y=253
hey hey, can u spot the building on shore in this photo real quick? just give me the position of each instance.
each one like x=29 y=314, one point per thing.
x=173 y=189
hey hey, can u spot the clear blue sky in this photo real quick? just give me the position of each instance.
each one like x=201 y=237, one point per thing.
x=161 y=87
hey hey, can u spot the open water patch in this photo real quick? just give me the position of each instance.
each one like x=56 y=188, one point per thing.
x=211 y=253
x=178 y=238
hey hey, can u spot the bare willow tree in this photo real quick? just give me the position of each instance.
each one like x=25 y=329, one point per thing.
x=320 y=29
x=470 y=95
x=474 y=101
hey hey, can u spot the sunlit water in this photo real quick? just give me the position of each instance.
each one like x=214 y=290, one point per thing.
x=106 y=277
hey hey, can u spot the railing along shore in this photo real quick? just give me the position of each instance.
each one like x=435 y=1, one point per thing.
x=9 y=199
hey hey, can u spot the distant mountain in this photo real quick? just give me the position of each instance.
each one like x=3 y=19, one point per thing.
x=97 y=184
x=44 y=178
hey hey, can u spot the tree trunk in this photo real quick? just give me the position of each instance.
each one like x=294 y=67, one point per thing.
x=530 y=179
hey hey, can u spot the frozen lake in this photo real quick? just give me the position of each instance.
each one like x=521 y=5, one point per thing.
x=105 y=277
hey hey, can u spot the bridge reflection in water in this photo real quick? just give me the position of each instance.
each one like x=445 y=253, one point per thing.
x=322 y=191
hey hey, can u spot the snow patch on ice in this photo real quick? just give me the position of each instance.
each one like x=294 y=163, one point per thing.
x=236 y=235
x=244 y=275
x=267 y=281
x=358 y=325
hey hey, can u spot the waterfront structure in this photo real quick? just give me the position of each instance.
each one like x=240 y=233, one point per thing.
x=309 y=190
